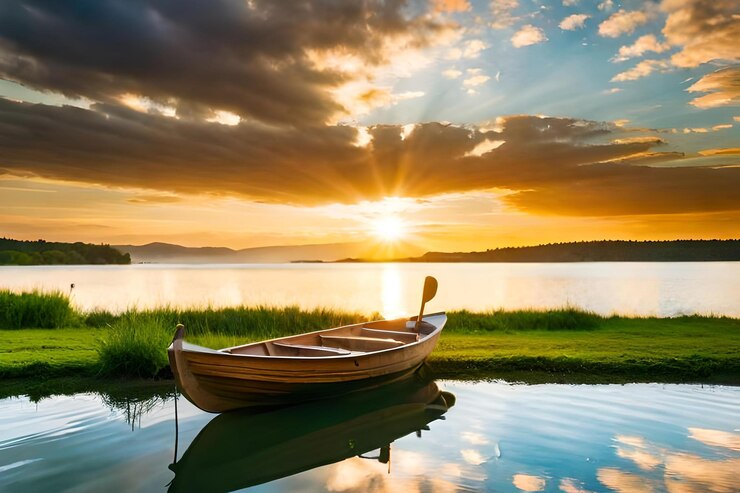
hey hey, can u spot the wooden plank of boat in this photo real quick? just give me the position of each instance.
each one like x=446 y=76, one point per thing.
x=306 y=366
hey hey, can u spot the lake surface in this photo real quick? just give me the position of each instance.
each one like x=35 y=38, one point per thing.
x=629 y=288
x=496 y=437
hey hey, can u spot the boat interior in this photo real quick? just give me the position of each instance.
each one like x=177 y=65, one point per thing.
x=342 y=341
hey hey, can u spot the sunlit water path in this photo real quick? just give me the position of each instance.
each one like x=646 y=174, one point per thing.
x=496 y=437
x=630 y=288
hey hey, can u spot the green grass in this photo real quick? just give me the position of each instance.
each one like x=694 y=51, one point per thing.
x=134 y=347
x=50 y=339
x=615 y=349
x=46 y=310
x=40 y=353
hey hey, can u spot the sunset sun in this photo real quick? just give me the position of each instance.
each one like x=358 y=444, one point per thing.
x=389 y=229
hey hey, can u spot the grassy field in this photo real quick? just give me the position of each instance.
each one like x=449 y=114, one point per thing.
x=564 y=345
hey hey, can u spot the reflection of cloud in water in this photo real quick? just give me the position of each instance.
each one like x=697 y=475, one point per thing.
x=716 y=438
x=451 y=470
x=624 y=482
x=569 y=485
x=474 y=438
x=686 y=472
x=358 y=475
x=682 y=472
x=634 y=449
x=472 y=457
x=526 y=482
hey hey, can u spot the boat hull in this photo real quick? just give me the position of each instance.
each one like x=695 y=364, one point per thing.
x=216 y=381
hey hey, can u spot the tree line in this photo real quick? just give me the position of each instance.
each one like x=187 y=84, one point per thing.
x=601 y=251
x=40 y=252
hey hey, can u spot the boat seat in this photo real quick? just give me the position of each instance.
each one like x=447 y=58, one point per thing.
x=392 y=334
x=307 y=350
x=358 y=343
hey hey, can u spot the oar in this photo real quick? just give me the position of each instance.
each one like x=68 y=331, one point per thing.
x=430 y=289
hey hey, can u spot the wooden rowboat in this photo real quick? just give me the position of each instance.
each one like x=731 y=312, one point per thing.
x=308 y=366
x=245 y=448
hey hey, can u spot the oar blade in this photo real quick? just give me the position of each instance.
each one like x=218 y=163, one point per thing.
x=430 y=288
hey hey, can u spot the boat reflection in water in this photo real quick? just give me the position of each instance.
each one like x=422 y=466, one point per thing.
x=246 y=448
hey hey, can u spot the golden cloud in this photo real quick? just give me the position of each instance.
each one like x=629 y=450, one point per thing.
x=598 y=166
x=622 y=22
x=705 y=30
x=723 y=87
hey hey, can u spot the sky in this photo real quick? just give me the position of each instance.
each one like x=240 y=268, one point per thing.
x=451 y=125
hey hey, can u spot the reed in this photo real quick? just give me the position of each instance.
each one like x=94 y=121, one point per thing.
x=44 y=310
x=567 y=318
x=134 y=347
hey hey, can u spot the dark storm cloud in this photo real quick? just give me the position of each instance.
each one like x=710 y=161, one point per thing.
x=554 y=165
x=250 y=57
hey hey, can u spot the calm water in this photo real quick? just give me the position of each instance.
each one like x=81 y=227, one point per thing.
x=660 y=288
x=496 y=437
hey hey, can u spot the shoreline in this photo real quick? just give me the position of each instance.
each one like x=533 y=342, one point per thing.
x=46 y=343
x=37 y=388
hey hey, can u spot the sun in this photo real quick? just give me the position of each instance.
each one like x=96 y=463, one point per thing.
x=389 y=228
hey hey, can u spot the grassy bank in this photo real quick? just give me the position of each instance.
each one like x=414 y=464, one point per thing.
x=564 y=345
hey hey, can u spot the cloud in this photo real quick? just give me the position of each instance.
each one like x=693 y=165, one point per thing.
x=502 y=13
x=705 y=30
x=154 y=199
x=451 y=5
x=263 y=60
x=476 y=77
x=723 y=87
x=729 y=151
x=452 y=73
x=622 y=22
x=642 y=69
x=541 y=161
x=528 y=35
x=470 y=49
x=473 y=48
x=642 y=45
x=606 y=5
x=573 y=22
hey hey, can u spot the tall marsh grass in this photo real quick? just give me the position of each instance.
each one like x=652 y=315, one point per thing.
x=566 y=318
x=36 y=309
x=135 y=347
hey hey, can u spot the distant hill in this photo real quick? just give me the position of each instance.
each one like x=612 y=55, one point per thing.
x=176 y=254
x=40 y=252
x=600 y=251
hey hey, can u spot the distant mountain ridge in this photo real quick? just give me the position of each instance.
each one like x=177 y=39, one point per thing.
x=585 y=251
x=174 y=254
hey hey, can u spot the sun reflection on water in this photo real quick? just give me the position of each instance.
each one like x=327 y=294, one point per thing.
x=391 y=298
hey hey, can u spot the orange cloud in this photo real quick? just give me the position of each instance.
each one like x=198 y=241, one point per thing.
x=705 y=30
x=723 y=87
x=598 y=166
x=622 y=22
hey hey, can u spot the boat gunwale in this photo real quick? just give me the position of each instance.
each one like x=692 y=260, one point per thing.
x=224 y=352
